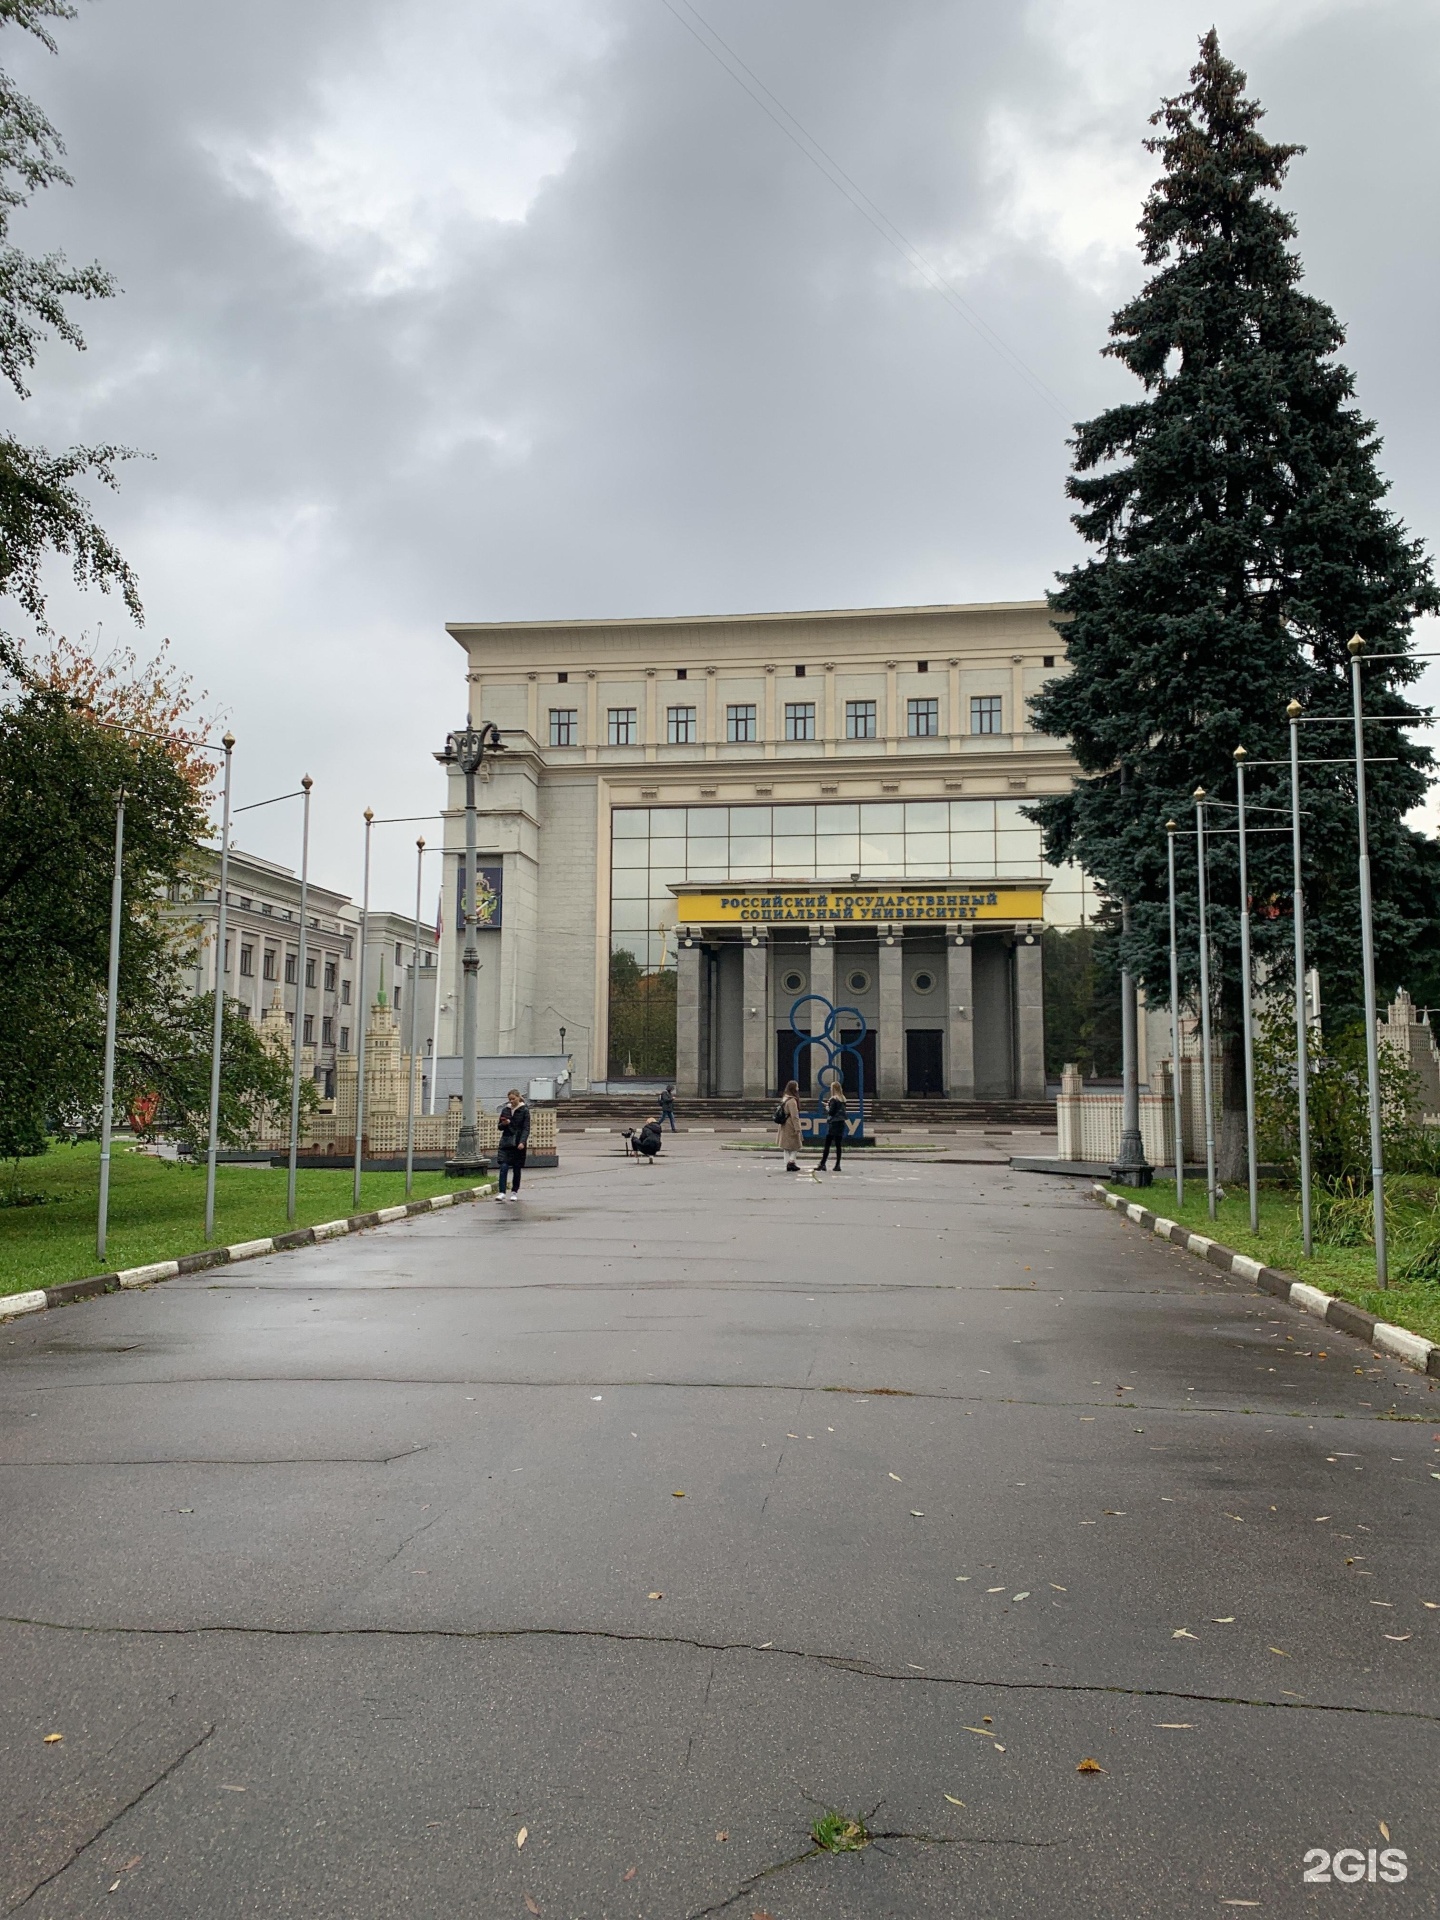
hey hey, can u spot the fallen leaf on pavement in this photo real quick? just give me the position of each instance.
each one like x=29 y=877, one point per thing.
x=1432 y=1604
x=966 y=1576
x=51 y=1738
x=762 y=1915
x=1059 y=1589
x=631 y=1874
x=1020 y=1596
x=1239 y=1903
x=1236 y=1516
x=1225 y=1620
x=895 y=1476
x=1089 y=1766
x=532 y=1905
x=960 y=1803
x=1183 y=1633
x=677 y=1495
x=1280 y=1650
x=1176 y=1726
x=522 y=1836
x=994 y=1589
x=984 y=1732
x=654 y=1596
x=1397 y=1636
x=998 y=1747
x=1384 y=1831
x=722 y=1835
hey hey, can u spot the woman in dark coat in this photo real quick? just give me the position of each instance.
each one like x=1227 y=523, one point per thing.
x=834 y=1123
x=514 y=1126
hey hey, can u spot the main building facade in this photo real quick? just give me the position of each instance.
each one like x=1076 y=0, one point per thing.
x=703 y=830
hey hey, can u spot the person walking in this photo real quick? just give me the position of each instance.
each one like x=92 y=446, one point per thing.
x=514 y=1124
x=667 y=1108
x=787 y=1116
x=834 y=1124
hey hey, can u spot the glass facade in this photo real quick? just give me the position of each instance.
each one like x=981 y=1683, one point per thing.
x=654 y=847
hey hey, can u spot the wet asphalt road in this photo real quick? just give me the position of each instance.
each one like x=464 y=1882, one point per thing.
x=340 y=1570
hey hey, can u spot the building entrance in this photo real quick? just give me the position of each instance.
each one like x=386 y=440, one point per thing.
x=925 y=1062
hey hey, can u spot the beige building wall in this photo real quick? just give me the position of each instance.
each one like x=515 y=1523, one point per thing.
x=545 y=808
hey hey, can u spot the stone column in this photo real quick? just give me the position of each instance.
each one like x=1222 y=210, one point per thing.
x=890 y=1048
x=689 y=1068
x=960 y=1015
x=1029 y=1019
x=757 y=1042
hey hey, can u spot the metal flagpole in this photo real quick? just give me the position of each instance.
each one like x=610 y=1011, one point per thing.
x=1177 y=1095
x=298 y=1037
x=414 y=1027
x=1302 y=1025
x=435 y=1023
x=218 y=1034
x=112 y=991
x=1246 y=1011
x=1367 y=949
x=360 y=1014
x=1206 y=1066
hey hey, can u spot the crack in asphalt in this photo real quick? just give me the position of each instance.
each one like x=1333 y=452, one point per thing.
x=838 y=1662
x=118 y=1815
x=748 y=1885
x=1287 y=1411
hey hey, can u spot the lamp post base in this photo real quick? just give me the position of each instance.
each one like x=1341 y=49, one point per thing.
x=1130 y=1167
x=466 y=1167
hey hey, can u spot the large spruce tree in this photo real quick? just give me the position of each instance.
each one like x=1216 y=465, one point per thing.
x=1239 y=537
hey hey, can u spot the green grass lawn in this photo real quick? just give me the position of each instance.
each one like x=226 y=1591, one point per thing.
x=1348 y=1272
x=157 y=1210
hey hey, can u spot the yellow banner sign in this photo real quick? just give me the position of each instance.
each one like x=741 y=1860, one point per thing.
x=901 y=904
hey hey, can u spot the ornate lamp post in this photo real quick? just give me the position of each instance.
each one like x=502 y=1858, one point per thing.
x=466 y=750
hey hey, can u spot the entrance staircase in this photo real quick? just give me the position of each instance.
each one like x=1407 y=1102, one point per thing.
x=622 y=1110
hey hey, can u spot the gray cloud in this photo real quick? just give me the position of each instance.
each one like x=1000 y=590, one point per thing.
x=465 y=311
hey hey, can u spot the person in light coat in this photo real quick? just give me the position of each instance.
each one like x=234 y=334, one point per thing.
x=788 y=1137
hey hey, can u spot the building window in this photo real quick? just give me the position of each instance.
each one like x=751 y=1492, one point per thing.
x=227 y=956
x=327 y=1031
x=924 y=719
x=985 y=713
x=399 y=954
x=344 y=993
x=564 y=726
x=799 y=673
x=859 y=719
x=922 y=666
x=247 y=962
x=309 y=1039
x=739 y=724
x=344 y=1039
x=395 y=997
x=291 y=969
x=682 y=673
x=562 y=678
x=332 y=972
x=268 y=964
x=245 y=1013
x=680 y=726
x=622 y=726
x=309 y=971
x=799 y=719
x=1049 y=661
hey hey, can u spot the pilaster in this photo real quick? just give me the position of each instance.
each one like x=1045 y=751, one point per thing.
x=755 y=1062
x=822 y=971
x=959 y=1016
x=890 y=1047
x=688 y=1024
x=1029 y=1019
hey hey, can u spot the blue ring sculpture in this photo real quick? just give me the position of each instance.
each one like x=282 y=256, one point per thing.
x=834 y=1046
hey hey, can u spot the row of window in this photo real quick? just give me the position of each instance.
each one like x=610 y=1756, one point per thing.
x=681 y=723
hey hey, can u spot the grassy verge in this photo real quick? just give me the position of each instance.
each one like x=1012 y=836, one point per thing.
x=1348 y=1272
x=157 y=1210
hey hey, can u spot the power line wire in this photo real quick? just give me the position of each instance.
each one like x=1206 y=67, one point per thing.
x=825 y=163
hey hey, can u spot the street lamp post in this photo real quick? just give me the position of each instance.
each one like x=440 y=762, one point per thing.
x=1367 y=952
x=1206 y=1064
x=361 y=1013
x=1176 y=1078
x=298 y=1037
x=414 y=1027
x=1130 y=1166
x=111 y=997
x=1245 y=1006
x=1302 y=1024
x=217 y=1036
x=466 y=749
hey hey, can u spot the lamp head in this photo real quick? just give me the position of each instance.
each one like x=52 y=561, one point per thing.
x=1199 y=794
x=307 y=783
x=369 y=815
x=1172 y=826
x=1239 y=755
x=1293 y=710
x=1356 y=645
x=227 y=740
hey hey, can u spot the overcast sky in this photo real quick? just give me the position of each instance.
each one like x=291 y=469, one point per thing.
x=454 y=309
